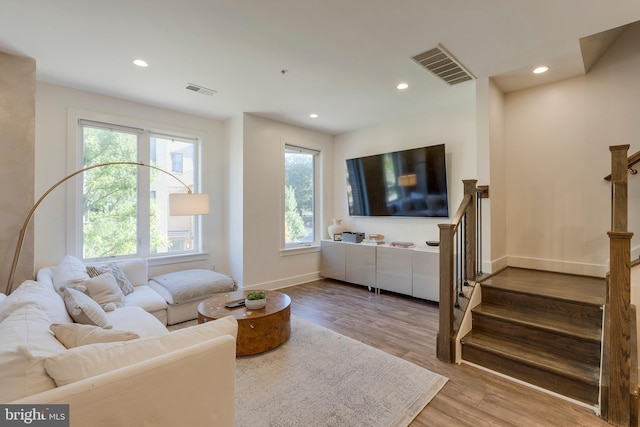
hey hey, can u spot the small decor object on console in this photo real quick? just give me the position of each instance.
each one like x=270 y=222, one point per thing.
x=402 y=244
x=432 y=243
x=335 y=228
x=255 y=300
x=350 y=237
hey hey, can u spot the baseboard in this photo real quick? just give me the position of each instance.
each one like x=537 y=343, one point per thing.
x=489 y=267
x=284 y=283
x=584 y=269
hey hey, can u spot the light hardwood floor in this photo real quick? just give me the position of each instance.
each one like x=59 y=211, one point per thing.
x=407 y=327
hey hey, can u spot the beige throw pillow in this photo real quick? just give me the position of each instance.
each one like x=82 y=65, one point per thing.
x=75 y=334
x=84 y=310
x=104 y=290
x=113 y=268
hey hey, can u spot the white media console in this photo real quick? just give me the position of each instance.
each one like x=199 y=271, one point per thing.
x=411 y=271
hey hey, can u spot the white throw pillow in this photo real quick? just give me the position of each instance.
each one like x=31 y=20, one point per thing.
x=71 y=271
x=42 y=295
x=76 y=334
x=104 y=290
x=90 y=360
x=84 y=310
x=25 y=341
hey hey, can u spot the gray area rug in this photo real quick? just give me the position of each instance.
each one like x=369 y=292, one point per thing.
x=322 y=378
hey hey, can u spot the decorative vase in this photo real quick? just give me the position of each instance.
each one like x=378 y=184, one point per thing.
x=335 y=228
x=255 y=304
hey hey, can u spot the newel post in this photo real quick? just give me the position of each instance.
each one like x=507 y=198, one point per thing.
x=445 y=345
x=619 y=298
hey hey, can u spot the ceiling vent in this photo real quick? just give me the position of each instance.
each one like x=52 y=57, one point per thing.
x=441 y=63
x=200 y=89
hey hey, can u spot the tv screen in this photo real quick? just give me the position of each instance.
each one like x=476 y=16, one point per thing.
x=401 y=183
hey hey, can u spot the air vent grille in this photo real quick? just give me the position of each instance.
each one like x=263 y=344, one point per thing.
x=441 y=63
x=200 y=89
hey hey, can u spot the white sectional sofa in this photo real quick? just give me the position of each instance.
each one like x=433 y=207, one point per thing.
x=132 y=372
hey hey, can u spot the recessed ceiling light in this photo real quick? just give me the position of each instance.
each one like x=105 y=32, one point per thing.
x=402 y=86
x=313 y=115
x=540 y=70
x=140 y=63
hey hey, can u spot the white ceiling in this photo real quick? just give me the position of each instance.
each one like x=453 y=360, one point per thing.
x=344 y=57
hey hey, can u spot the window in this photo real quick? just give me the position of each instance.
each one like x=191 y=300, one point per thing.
x=125 y=209
x=300 y=184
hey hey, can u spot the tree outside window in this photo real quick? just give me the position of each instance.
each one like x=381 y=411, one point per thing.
x=299 y=195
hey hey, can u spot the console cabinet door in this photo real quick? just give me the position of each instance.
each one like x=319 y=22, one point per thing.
x=361 y=264
x=426 y=277
x=332 y=259
x=394 y=270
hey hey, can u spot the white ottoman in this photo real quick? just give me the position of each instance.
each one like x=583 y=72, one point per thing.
x=183 y=291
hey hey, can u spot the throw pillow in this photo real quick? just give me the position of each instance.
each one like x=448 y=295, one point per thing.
x=113 y=268
x=85 y=310
x=104 y=290
x=76 y=334
x=70 y=271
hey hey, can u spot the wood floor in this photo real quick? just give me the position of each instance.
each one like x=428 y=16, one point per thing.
x=407 y=327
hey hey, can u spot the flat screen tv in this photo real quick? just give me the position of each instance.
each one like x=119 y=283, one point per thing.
x=408 y=183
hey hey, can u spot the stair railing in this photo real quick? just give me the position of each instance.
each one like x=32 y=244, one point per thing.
x=617 y=341
x=460 y=241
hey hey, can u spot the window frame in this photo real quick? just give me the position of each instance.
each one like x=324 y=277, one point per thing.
x=317 y=201
x=146 y=130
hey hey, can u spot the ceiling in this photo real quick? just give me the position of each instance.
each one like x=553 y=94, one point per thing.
x=342 y=59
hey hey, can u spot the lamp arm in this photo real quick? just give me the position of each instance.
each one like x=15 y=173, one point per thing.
x=23 y=230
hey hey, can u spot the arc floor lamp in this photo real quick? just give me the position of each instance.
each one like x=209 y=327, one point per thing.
x=179 y=204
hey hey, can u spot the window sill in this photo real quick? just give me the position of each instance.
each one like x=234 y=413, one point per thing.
x=300 y=250
x=177 y=259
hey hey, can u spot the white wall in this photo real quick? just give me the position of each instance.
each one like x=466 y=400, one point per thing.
x=557 y=139
x=265 y=265
x=53 y=104
x=452 y=123
x=234 y=229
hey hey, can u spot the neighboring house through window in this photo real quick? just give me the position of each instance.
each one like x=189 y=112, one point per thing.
x=300 y=202
x=125 y=208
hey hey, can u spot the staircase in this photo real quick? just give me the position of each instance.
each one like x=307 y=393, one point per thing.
x=542 y=328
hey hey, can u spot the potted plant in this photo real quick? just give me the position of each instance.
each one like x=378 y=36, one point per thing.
x=255 y=300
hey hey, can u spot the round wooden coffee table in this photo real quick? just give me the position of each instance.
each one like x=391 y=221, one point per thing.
x=258 y=330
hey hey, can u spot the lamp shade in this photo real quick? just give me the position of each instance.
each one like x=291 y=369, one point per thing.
x=188 y=204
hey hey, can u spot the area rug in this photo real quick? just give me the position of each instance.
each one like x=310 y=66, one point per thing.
x=322 y=378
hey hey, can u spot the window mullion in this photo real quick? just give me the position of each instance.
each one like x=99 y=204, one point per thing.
x=144 y=208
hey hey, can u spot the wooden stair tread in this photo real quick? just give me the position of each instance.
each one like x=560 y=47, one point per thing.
x=533 y=356
x=582 y=289
x=550 y=322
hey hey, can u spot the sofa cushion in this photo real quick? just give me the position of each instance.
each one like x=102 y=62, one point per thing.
x=75 y=334
x=116 y=271
x=135 y=319
x=145 y=297
x=25 y=341
x=84 y=310
x=71 y=271
x=104 y=290
x=2 y=298
x=90 y=360
x=35 y=293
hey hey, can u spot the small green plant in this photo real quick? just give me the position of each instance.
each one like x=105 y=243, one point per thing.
x=256 y=295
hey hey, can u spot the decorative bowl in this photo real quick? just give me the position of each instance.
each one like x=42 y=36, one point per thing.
x=255 y=304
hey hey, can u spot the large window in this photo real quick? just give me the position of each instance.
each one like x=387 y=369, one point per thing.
x=300 y=183
x=125 y=208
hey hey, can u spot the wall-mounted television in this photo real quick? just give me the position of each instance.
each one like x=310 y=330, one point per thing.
x=408 y=183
